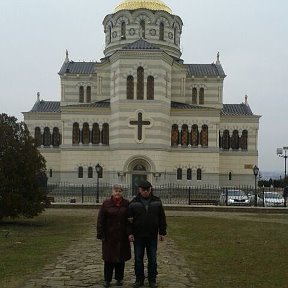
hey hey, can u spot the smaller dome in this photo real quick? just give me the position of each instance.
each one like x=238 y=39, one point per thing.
x=145 y=4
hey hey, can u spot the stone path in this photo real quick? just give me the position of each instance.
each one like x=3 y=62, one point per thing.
x=81 y=266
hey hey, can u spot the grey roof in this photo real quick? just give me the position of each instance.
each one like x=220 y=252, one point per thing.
x=236 y=109
x=98 y=104
x=46 y=106
x=205 y=70
x=140 y=44
x=78 y=68
x=179 y=105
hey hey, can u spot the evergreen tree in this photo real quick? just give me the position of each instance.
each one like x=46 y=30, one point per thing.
x=22 y=171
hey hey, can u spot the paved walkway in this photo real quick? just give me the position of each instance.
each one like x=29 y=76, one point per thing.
x=81 y=266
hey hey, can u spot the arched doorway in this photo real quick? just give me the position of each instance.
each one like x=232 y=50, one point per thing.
x=139 y=173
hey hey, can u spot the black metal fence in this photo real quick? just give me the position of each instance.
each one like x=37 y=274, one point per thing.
x=172 y=194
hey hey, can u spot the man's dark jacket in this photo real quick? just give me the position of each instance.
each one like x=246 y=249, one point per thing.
x=147 y=221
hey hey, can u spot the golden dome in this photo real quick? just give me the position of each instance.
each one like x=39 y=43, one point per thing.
x=146 y=4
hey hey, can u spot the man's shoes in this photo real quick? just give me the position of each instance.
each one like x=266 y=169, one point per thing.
x=138 y=284
x=119 y=283
x=106 y=284
x=153 y=285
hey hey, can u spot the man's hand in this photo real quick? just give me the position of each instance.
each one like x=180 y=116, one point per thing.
x=131 y=238
x=161 y=238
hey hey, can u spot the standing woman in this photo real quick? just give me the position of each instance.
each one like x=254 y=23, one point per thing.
x=112 y=230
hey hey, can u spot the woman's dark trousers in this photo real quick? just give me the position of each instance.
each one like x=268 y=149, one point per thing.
x=108 y=271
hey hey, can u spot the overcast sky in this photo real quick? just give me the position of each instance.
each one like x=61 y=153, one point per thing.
x=251 y=36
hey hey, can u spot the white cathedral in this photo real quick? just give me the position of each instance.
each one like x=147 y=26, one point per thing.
x=142 y=112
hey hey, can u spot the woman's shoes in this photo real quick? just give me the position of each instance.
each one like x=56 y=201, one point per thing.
x=119 y=283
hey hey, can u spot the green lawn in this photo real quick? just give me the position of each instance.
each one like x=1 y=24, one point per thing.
x=32 y=243
x=248 y=253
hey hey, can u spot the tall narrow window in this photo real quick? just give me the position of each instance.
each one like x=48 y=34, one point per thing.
x=194 y=136
x=150 y=88
x=189 y=174
x=85 y=134
x=140 y=83
x=81 y=94
x=90 y=172
x=194 y=96
x=179 y=174
x=235 y=140
x=201 y=96
x=110 y=35
x=161 y=31
x=38 y=137
x=56 y=139
x=47 y=137
x=175 y=35
x=105 y=134
x=199 y=174
x=95 y=134
x=184 y=135
x=244 y=140
x=76 y=134
x=142 y=29
x=174 y=135
x=80 y=172
x=50 y=173
x=226 y=140
x=130 y=87
x=230 y=176
x=123 y=30
x=204 y=136
x=88 y=94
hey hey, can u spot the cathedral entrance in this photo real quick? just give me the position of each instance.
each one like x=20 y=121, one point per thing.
x=139 y=173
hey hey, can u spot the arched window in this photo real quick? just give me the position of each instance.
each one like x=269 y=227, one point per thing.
x=230 y=176
x=201 y=96
x=226 y=140
x=184 y=135
x=105 y=134
x=161 y=31
x=76 y=134
x=244 y=140
x=81 y=94
x=88 y=94
x=235 y=140
x=194 y=136
x=179 y=174
x=90 y=172
x=56 y=139
x=189 y=174
x=38 y=137
x=130 y=87
x=204 y=136
x=123 y=30
x=95 y=134
x=199 y=174
x=47 y=137
x=110 y=34
x=85 y=134
x=142 y=29
x=80 y=172
x=194 y=95
x=174 y=135
x=140 y=83
x=150 y=88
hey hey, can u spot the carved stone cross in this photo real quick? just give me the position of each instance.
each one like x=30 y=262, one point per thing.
x=140 y=123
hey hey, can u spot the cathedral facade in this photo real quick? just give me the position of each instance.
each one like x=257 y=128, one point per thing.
x=142 y=112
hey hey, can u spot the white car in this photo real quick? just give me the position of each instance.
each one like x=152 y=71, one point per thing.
x=271 y=198
x=234 y=198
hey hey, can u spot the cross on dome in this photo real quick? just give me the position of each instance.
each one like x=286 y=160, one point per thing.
x=146 y=4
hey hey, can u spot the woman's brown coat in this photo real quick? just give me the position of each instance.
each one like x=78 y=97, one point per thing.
x=112 y=229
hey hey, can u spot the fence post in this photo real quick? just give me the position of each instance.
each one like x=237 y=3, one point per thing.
x=82 y=193
x=226 y=196
x=189 y=196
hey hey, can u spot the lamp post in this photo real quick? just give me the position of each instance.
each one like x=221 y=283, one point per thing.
x=255 y=172
x=282 y=152
x=98 y=170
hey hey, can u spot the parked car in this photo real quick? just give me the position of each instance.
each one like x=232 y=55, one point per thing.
x=271 y=199
x=234 y=198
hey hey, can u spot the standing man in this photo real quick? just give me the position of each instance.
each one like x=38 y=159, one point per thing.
x=147 y=222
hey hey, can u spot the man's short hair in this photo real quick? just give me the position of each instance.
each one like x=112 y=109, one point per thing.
x=144 y=184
